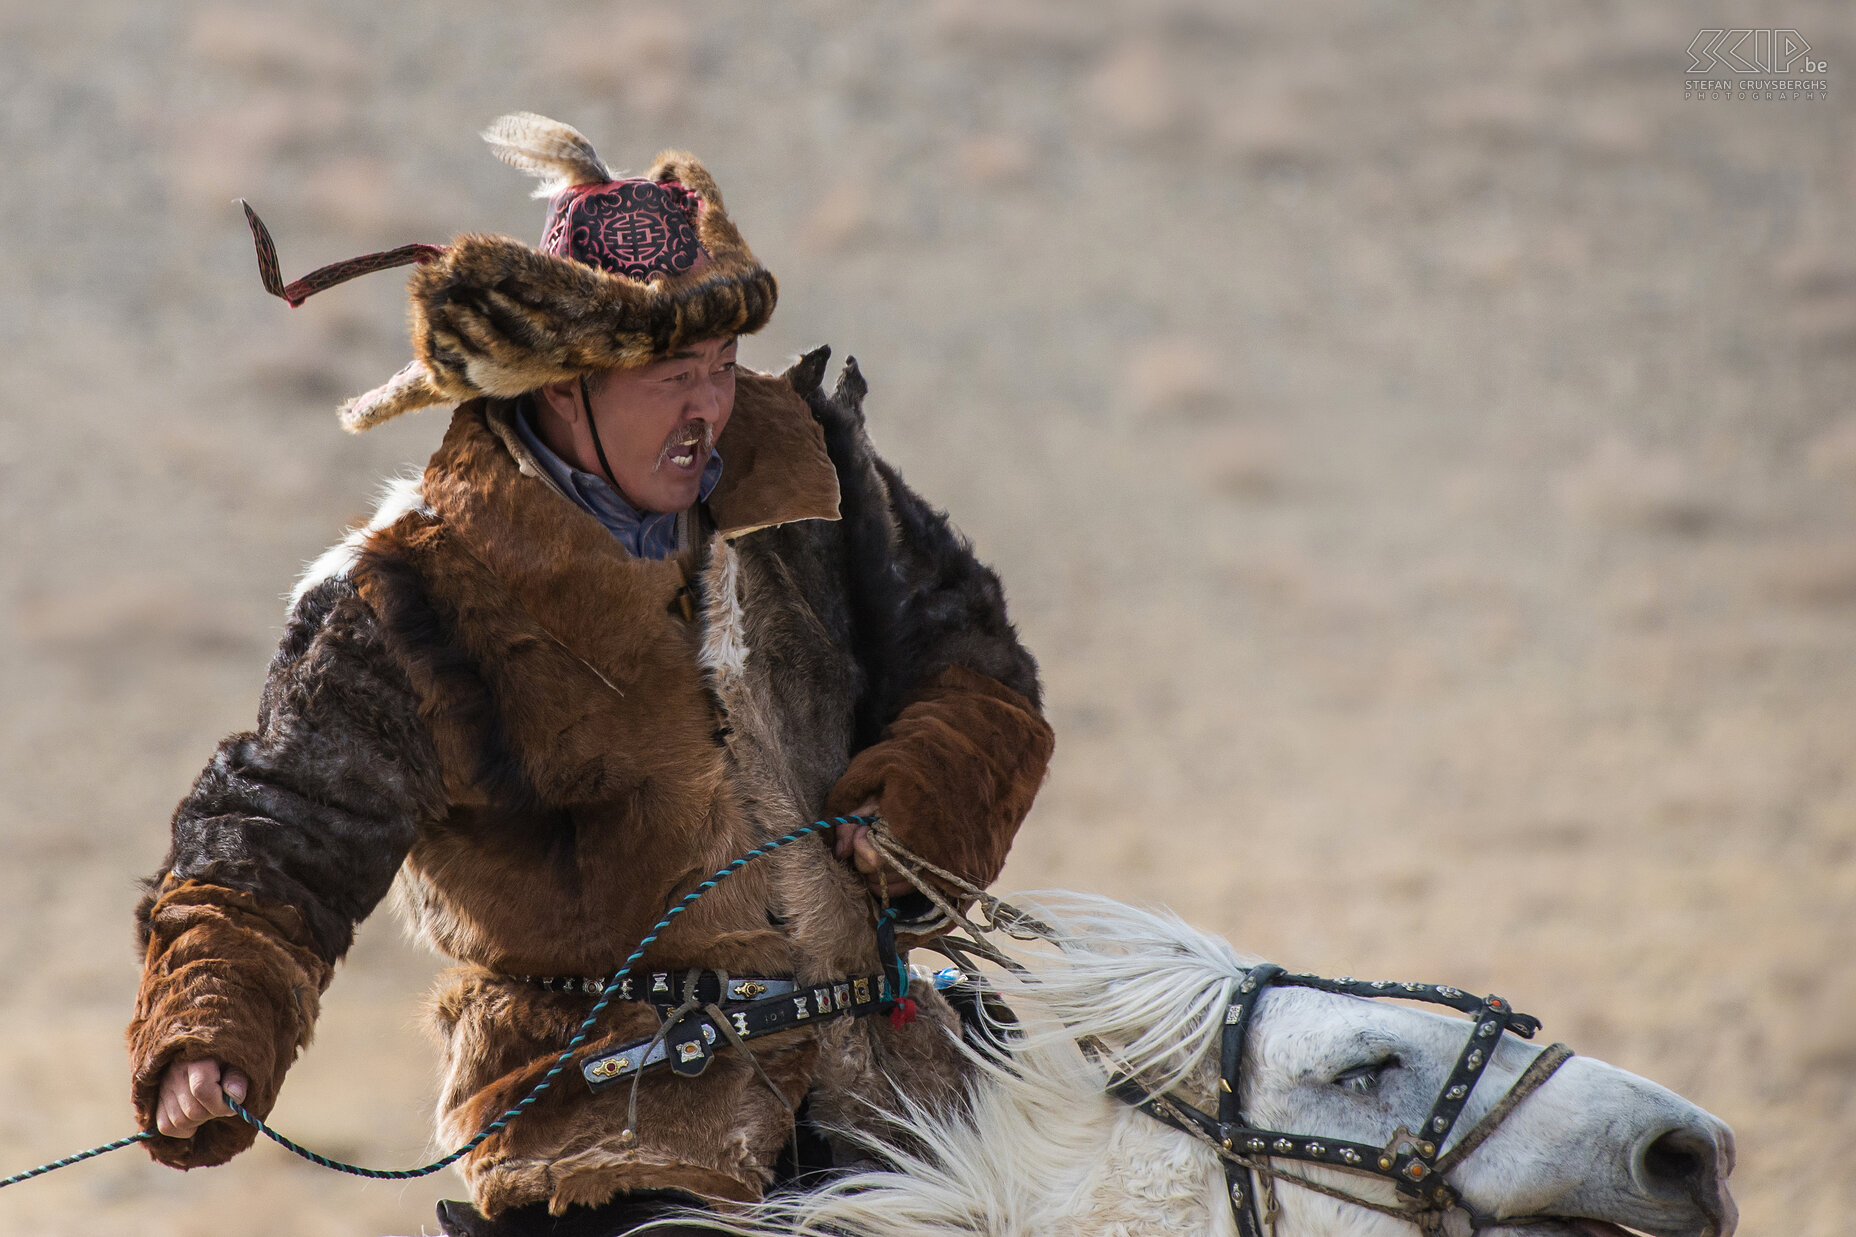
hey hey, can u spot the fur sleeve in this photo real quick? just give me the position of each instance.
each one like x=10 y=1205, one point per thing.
x=953 y=742
x=955 y=773
x=289 y=837
x=226 y=976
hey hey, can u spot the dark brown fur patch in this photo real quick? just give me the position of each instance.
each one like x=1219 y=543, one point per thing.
x=303 y=811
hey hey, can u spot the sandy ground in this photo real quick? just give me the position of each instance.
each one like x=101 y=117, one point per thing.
x=1418 y=444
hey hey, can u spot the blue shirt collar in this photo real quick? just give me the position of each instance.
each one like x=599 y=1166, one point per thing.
x=646 y=534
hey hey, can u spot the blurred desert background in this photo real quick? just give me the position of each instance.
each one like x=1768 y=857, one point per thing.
x=1417 y=441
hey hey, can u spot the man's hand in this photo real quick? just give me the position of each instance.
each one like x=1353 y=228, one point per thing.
x=851 y=841
x=193 y=1093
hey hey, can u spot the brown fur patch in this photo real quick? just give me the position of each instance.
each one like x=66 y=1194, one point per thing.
x=541 y=652
x=535 y=641
x=230 y=977
x=776 y=468
x=955 y=773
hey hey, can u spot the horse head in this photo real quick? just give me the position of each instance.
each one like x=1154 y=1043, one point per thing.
x=1592 y=1150
x=1127 y=1021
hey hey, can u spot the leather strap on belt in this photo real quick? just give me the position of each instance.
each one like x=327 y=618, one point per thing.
x=690 y=1044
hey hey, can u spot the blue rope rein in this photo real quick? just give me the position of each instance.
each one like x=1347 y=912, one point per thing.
x=535 y=1092
x=76 y=1158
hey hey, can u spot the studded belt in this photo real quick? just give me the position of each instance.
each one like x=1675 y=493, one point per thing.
x=690 y=1043
x=665 y=988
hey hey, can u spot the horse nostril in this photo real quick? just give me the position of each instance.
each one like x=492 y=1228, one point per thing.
x=1680 y=1159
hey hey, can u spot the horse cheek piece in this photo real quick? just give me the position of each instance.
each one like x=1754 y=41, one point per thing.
x=1409 y=1160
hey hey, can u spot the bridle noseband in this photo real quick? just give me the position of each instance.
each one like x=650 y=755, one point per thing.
x=1409 y=1160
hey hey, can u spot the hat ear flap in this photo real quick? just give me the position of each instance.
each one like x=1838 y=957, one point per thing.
x=687 y=170
x=410 y=389
x=714 y=228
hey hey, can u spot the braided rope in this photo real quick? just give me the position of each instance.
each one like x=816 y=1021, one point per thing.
x=546 y=1081
x=76 y=1158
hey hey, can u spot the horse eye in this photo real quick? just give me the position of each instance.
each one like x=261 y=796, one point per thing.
x=1364 y=1079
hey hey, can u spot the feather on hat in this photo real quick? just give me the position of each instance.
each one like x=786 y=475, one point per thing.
x=628 y=269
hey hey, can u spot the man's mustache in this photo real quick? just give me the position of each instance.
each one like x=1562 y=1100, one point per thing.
x=695 y=432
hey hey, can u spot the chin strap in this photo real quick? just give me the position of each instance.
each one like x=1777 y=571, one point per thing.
x=586 y=402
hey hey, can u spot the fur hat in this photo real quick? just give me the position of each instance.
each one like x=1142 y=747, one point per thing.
x=628 y=269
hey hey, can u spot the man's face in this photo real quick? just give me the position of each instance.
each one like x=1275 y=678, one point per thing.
x=659 y=423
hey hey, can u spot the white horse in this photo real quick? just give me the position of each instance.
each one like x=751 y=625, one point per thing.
x=1043 y=1148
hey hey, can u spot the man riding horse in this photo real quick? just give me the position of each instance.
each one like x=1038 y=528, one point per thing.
x=642 y=612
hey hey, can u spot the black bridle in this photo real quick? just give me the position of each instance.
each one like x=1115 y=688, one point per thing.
x=1409 y=1159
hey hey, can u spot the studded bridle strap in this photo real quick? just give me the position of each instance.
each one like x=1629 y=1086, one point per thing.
x=1541 y=1069
x=1524 y=1025
x=1183 y=1117
x=1170 y=1111
x=1189 y=1120
x=1243 y=1142
x=1415 y=1159
x=1240 y=1182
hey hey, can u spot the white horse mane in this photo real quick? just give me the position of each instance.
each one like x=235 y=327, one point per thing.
x=1143 y=981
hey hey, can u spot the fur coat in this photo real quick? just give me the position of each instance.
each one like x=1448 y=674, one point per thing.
x=538 y=742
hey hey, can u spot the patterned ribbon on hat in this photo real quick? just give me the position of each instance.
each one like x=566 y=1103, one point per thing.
x=325 y=277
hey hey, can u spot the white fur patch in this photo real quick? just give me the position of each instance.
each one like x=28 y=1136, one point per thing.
x=724 y=653
x=398 y=496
